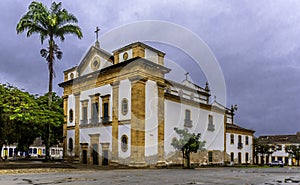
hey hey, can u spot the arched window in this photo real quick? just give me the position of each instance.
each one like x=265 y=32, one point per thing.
x=124 y=106
x=124 y=143
x=232 y=157
x=71 y=115
x=231 y=139
x=70 y=144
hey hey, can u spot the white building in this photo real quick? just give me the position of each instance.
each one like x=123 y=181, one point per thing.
x=279 y=142
x=120 y=109
x=36 y=150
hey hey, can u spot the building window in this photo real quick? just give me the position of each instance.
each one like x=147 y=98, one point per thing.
x=105 y=111
x=211 y=126
x=84 y=115
x=210 y=156
x=240 y=144
x=124 y=106
x=232 y=157
x=231 y=139
x=94 y=108
x=95 y=65
x=247 y=140
x=124 y=143
x=240 y=158
x=240 y=138
x=246 y=157
x=70 y=146
x=187 y=120
x=105 y=108
x=95 y=112
x=72 y=76
x=71 y=115
x=84 y=111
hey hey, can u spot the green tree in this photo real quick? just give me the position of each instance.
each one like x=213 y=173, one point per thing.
x=51 y=23
x=294 y=151
x=18 y=117
x=187 y=143
x=53 y=116
x=264 y=149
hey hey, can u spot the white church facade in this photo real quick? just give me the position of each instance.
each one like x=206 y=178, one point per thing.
x=120 y=109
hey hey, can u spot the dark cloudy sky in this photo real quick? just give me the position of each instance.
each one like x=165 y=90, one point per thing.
x=256 y=43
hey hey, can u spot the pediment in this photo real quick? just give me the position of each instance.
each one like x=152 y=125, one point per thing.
x=95 y=59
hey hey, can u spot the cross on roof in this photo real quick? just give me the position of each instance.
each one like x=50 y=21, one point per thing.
x=186 y=75
x=96 y=31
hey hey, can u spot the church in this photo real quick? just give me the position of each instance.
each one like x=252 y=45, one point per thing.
x=121 y=110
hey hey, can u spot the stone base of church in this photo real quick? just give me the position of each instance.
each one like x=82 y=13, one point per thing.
x=76 y=160
x=137 y=164
x=114 y=163
x=161 y=164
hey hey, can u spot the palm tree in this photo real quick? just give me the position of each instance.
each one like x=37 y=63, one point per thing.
x=52 y=23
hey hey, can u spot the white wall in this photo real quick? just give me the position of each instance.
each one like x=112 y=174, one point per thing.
x=129 y=52
x=151 y=55
x=71 y=134
x=151 y=120
x=74 y=75
x=234 y=147
x=105 y=135
x=85 y=95
x=175 y=115
x=125 y=92
x=88 y=69
x=124 y=130
x=71 y=105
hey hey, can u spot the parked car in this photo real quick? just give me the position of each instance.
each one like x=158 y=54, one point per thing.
x=276 y=163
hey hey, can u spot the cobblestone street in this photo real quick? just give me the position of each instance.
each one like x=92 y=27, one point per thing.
x=266 y=176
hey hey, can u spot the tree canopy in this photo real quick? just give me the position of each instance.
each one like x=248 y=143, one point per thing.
x=187 y=143
x=52 y=23
x=294 y=151
x=23 y=117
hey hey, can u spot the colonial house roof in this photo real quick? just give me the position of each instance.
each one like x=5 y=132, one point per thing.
x=283 y=139
x=233 y=128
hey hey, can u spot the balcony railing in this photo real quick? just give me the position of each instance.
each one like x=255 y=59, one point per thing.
x=240 y=145
x=188 y=123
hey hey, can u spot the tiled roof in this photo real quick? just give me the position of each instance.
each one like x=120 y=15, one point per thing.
x=236 y=127
x=273 y=139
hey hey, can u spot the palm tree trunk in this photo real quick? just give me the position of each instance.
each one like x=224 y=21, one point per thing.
x=50 y=68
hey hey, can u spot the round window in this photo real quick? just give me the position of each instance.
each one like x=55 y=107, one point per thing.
x=95 y=64
x=125 y=56
x=72 y=76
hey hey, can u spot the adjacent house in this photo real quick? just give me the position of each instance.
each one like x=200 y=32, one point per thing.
x=278 y=143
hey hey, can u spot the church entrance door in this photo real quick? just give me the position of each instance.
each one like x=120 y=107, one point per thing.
x=84 y=156
x=95 y=154
x=105 y=157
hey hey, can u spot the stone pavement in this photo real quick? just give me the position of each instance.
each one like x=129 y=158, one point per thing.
x=85 y=174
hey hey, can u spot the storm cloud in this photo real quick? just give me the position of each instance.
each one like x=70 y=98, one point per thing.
x=255 y=42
